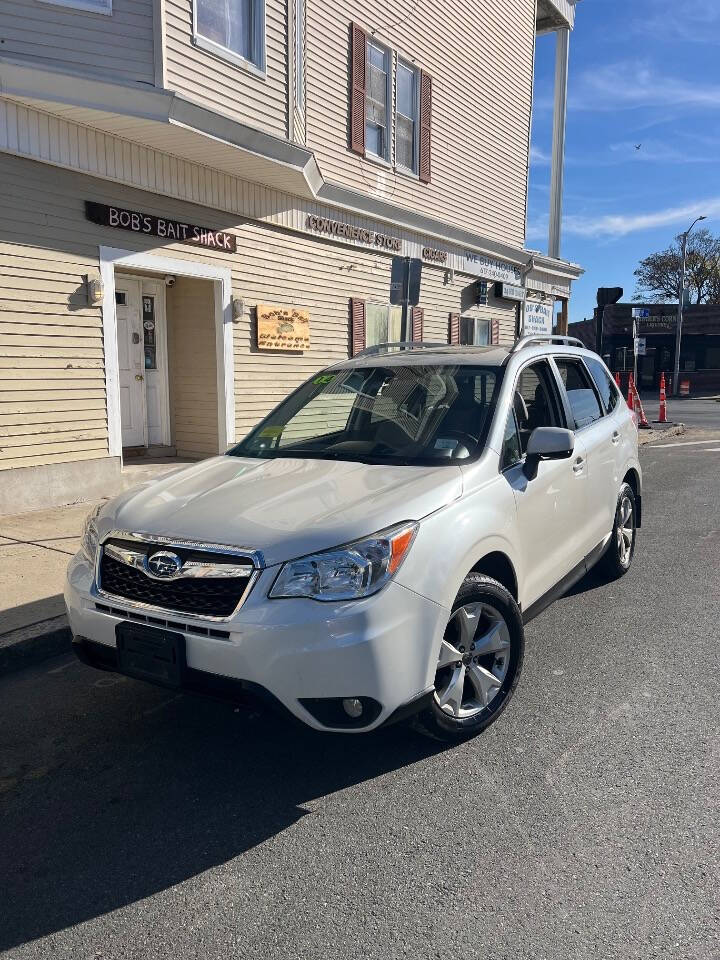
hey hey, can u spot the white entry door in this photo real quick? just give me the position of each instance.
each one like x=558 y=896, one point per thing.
x=131 y=363
x=142 y=353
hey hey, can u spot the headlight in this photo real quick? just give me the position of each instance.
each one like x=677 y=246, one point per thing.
x=89 y=541
x=356 y=570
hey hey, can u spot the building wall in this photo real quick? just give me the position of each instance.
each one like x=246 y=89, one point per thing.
x=480 y=57
x=119 y=46
x=222 y=86
x=190 y=306
x=52 y=394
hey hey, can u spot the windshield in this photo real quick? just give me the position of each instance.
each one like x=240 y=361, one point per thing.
x=381 y=414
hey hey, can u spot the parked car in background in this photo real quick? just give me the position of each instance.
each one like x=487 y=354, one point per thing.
x=372 y=550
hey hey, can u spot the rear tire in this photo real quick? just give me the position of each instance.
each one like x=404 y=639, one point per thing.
x=480 y=661
x=617 y=558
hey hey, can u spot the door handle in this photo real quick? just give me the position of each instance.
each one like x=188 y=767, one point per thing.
x=139 y=376
x=578 y=466
x=616 y=438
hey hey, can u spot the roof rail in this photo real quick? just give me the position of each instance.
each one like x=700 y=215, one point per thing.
x=547 y=338
x=398 y=345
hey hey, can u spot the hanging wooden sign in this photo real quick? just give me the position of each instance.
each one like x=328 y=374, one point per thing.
x=282 y=328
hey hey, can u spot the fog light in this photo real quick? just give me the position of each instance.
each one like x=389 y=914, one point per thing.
x=353 y=707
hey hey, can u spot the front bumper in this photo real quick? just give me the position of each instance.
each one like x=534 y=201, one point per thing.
x=383 y=648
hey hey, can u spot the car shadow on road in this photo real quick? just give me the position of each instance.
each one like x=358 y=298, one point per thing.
x=114 y=790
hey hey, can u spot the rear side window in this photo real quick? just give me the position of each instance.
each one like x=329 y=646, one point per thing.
x=584 y=403
x=604 y=382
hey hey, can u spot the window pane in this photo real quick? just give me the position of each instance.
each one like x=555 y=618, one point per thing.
x=533 y=402
x=583 y=402
x=511 y=451
x=228 y=23
x=149 y=340
x=474 y=332
x=604 y=382
x=405 y=91
x=376 y=323
x=376 y=93
x=405 y=142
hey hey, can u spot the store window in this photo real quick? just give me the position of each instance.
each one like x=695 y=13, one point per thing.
x=712 y=358
x=474 y=331
x=407 y=116
x=149 y=333
x=383 y=324
x=377 y=98
x=232 y=29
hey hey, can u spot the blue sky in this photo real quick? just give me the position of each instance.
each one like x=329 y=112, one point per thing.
x=641 y=72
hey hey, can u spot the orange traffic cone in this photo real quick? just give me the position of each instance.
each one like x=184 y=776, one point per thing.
x=642 y=419
x=662 y=417
x=617 y=380
x=631 y=388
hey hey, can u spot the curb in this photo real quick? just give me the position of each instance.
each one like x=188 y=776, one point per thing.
x=647 y=437
x=30 y=646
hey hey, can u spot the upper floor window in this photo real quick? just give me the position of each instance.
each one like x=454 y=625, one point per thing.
x=232 y=29
x=407 y=116
x=375 y=70
x=377 y=99
x=92 y=6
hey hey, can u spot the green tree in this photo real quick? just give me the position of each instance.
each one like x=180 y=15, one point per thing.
x=658 y=276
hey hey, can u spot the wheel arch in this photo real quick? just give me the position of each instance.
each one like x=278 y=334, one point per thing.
x=632 y=478
x=499 y=566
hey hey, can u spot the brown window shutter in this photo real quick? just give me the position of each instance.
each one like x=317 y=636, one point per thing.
x=418 y=318
x=454 y=328
x=357 y=326
x=358 y=40
x=425 y=126
x=495 y=331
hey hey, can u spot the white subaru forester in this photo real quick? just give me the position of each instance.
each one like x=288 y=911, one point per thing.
x=373 y=548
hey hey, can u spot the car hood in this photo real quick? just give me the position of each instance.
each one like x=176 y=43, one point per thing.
x=284 y=508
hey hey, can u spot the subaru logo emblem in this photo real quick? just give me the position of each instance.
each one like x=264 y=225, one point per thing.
x=164 y=564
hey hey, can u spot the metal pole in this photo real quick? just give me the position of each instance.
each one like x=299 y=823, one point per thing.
x=562 y=54
x=678 y=334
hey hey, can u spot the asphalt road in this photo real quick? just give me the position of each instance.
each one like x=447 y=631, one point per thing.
x=584 y=823
x=693 y=413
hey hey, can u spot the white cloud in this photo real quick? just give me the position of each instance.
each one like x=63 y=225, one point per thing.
x=539 y=157
x=692 y=21
x=629 y=84
x=621 y=224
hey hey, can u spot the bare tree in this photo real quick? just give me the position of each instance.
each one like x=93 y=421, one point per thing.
x=658 y=276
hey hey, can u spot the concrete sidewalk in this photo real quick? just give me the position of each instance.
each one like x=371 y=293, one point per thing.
x=35 y=549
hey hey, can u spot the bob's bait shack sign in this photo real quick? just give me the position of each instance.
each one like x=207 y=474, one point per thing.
x=175 y=231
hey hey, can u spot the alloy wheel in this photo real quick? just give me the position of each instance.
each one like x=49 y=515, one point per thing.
x=625 y=531
x=473 y=662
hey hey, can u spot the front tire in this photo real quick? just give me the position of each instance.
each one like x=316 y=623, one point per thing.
x=480 y=661
x=617 y=558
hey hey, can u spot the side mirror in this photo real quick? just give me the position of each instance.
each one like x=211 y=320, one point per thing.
x=547 y=443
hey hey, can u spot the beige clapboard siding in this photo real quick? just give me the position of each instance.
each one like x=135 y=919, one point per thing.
x=222 y=86
x=271 y=266
x=120 y=45
x=481 y=61
x=192 y=367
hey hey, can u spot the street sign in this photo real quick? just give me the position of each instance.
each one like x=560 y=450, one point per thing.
x=640 y=343
x=640 y=313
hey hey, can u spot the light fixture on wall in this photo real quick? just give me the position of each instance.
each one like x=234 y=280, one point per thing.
x=95 y=289
x=238 y=308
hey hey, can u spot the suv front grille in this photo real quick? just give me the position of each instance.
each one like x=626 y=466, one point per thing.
x=206 y=596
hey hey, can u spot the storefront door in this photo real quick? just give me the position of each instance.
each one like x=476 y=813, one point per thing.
x=142 y=358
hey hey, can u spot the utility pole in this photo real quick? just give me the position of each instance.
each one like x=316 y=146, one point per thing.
x=678 y=334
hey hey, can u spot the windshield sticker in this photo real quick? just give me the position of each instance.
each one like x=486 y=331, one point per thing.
x=271 y=431
x=445 y=443
x=325 y=378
